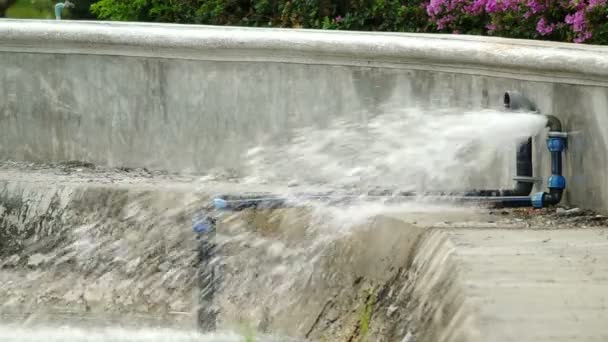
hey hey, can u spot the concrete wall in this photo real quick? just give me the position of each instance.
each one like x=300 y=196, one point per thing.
x=191 y=98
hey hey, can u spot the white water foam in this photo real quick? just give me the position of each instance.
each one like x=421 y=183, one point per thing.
x=71 y=334
x=409 y=149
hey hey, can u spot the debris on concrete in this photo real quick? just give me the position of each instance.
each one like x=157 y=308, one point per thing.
x=568 y=212
x=36 y=260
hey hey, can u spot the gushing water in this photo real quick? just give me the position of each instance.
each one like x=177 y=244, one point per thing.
x=409 y=149
x=406 y=150
x=137 y=256
x=70 y=334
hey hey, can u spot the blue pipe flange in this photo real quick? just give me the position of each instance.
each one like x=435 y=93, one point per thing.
x=556 y=182
x=556 y=144
x=537 y=200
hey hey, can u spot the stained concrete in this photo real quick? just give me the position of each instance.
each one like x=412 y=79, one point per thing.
x=194 y=98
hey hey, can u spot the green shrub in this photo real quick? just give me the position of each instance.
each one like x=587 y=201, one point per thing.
x=373 y=15
x=562 y=20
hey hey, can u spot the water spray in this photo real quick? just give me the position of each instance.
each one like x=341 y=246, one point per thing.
x=519 y=196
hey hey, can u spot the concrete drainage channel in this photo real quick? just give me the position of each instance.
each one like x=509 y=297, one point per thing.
x=77 y=250
x=93 y=254
x=93 y=251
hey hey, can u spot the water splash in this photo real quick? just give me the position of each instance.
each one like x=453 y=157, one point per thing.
x=267 y=261
x=409 y=149
x=70 y=334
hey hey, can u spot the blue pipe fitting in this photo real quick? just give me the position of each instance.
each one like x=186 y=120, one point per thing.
x=220 y=204
x=537 y=200
x=556 y=144
x=556 y=182
x=203 y=224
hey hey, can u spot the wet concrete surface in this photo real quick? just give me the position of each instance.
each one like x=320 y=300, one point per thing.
x=114 y=247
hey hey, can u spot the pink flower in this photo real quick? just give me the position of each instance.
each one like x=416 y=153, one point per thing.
x=475 y=8
x=491 y=6
x=338 y=19
x=577 y=21
x=434 y=7
x=535 y=7
x=447 y=15
x=543 y=28
x=443 y=22
x=509 y=5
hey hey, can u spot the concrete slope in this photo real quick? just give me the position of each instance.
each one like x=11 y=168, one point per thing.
x=81 y=250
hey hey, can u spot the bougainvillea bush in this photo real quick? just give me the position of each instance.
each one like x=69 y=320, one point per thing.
x=579 y=21
x=565 y=20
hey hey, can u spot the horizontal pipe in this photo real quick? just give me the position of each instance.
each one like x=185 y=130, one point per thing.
x=272 y=202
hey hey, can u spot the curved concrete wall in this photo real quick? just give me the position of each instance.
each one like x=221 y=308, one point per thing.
x=192 y=98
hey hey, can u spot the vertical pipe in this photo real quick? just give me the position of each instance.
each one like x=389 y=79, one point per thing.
x=556 y=182
x=207 y=277
x=524 y=159
x=556 y=163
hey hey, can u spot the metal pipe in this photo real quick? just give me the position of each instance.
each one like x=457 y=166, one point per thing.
x=553 y=123
x=515 y=101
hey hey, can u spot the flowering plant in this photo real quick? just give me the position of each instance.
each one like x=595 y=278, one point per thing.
x=566 y=20
x=561 y=20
